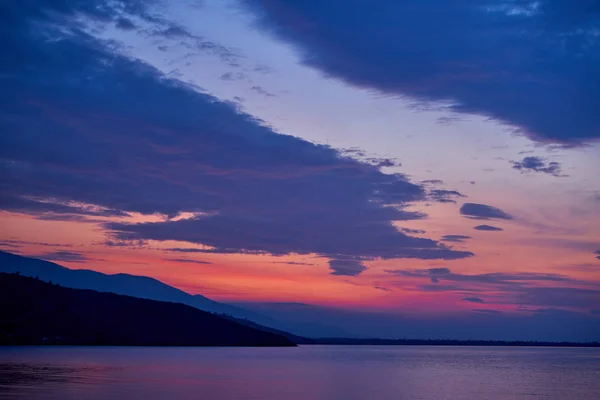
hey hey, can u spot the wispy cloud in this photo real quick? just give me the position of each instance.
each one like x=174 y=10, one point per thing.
x=185 y=260
x=483 y=211
x=474 y=299
x=65 y=256
x=455 y=238
x=488 y=228
x=517 y=288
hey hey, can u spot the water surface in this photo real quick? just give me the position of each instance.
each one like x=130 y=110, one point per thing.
x=303 y=373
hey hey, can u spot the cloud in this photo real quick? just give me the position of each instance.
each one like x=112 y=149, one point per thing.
x=488 y=228
x=433 y=182
x=488 y=312
x=233 y=76
x=455 y=238
x=518 y=288
x=346 y=267
x=291 y=263
x=132 y=244
x=185 y=250
x=549 y=312
x=383 y=289
x=413 y=231
x=425 y=50
x=20 y=243
x=64 y=256
x=174 y=32
x=482 y=211
x=537 y=164
x=260 y=90
x=185 y=260
x=125 y=24
x=474 y=299
x=48 y=208
x=444 y=196
x=104 y=135
x=497 y=278
x=557 y=296
x=11 y=245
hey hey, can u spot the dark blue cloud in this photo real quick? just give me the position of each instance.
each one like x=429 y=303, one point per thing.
x=597 y=254
x=455 y=238
x=413 y=231
x=482 y=211
x=496 y=278
x=488 y=228
x=83 y=126
x=60 y=209
x=537 y=164
x=21 y=243
x=474 y=299
x=444 y=196
x=533 y=67
x=488 y=311
x=518 y=288
x=383 y=289
x=126 y=24
x=291 y=263
x=65 y=256
x=346 y=267
x=557 y=296
x=185 y=260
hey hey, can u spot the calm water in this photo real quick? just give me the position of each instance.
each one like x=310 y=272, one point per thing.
x=307 y=372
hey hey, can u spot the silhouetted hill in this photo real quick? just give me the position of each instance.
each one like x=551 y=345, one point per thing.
x=36 y=312
x=130 y=285
x=294 y=338
x=142 y=287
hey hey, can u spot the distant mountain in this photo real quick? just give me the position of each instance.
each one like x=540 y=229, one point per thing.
x=306 y=320
x=150 y=288
x=36 y=312
x=447 y=342
x=130 y=285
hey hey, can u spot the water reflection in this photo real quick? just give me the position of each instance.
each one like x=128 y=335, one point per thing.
x=14 y=375
x=307 y=372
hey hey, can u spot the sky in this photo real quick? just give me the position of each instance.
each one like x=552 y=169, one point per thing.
x=424 y=163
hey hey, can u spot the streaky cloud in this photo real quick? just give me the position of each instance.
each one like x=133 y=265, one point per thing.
x=64 y=256
x=186 y=260
x=455 y=238
x=483 y=211
x=488 y=228
x=474 y=299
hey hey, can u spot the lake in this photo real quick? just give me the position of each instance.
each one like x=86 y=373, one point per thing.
x=306 y=372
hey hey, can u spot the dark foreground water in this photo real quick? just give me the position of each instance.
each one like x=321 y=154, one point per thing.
x=306 y=372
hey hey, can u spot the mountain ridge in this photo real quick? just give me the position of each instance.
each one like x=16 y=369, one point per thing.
x=34 y=312
x=143 y=287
